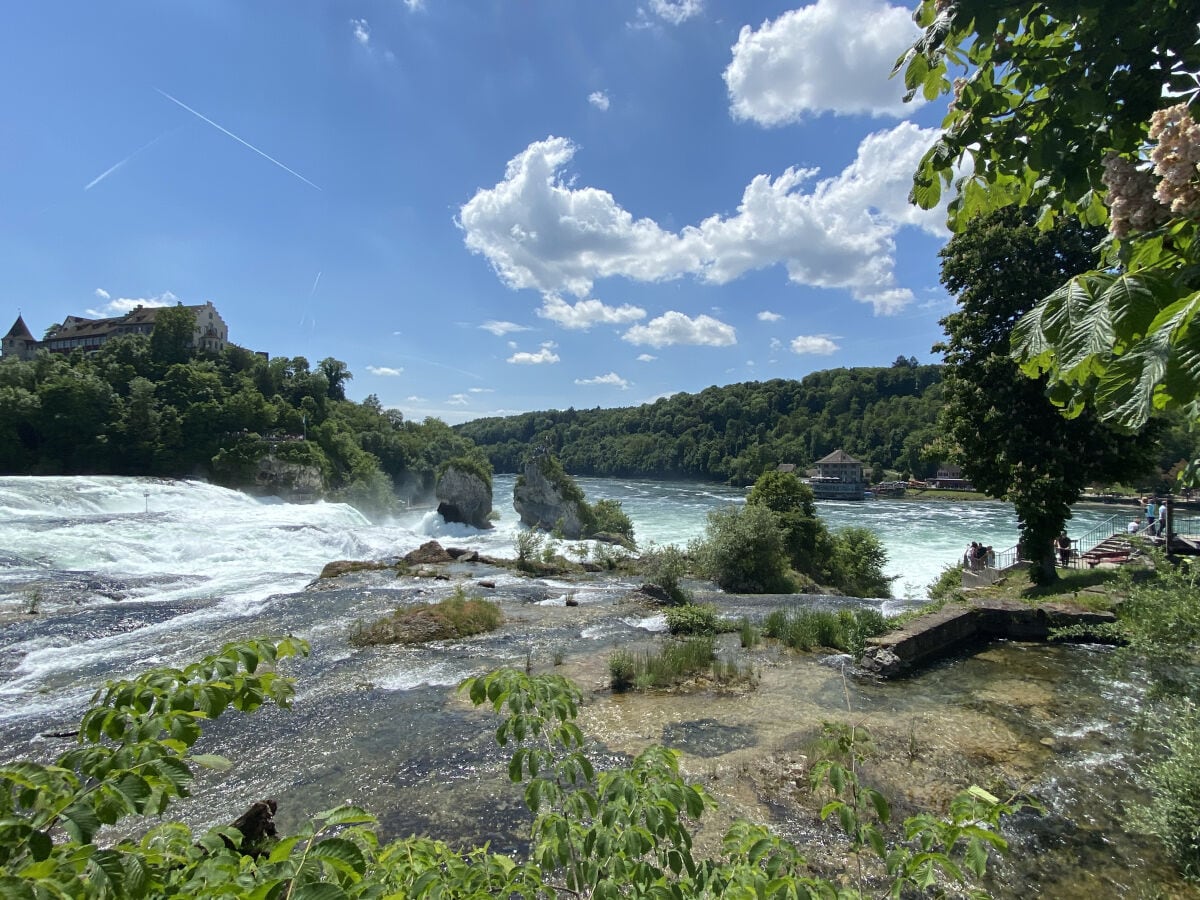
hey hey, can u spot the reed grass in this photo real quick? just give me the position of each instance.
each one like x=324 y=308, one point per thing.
x=672 y=664
x=455 y=617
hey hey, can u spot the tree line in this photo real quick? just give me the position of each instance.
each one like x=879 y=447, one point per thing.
x=884 y=416
x=151 y=405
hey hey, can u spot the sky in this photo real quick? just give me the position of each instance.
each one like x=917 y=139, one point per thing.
x=482 y=207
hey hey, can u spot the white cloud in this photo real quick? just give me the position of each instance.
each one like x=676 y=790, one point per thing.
x=414 y=5
x=673 y=328
x=676 y=11
x=539 y=231
x=612 y=378
x=362 y=31
x=767 y=316
x=384 y=370
x=583 y=314
x=499 y=329
x=481 y=390
x=599 y=99
x=458 y=400
x=646 y=357
x=543 y=356
x=775 y=343
x=817 y=344
x=123 y=305
x=833 y=56
x=413 y=398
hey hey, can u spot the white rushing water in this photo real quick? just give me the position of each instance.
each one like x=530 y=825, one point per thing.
x=208 y=557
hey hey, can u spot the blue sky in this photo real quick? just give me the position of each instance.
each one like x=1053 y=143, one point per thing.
x=482 y=206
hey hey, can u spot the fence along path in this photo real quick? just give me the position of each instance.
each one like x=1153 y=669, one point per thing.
x=1107 y=540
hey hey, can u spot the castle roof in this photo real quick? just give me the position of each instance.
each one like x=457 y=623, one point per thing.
x=839 y=456
x=19 y=330
x=78 y=327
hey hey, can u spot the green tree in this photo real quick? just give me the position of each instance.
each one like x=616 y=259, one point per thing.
x=337 y=373
x=1081 y=110
x=857 y=561
x=1010 y=439
x=743 y=551
x=804 y=535
x=173 y=335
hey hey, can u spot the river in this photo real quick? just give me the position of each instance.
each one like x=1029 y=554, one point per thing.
x=130 y=573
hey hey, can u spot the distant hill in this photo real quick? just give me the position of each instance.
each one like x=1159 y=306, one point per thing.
x=883 y=416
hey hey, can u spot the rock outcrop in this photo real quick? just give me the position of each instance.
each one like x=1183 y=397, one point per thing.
x=289 y=480
x=464 y=497
x=540 y=504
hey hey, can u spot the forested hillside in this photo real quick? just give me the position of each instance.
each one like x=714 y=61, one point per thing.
x=884 y=416
x=141 y=406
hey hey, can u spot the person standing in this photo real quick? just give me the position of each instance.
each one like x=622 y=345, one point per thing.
x=1162 y=519
x=1151 y=514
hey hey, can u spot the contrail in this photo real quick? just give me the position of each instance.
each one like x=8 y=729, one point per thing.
x=238 y=139
x=430 y=362
x=316 y=281
x=99 y=178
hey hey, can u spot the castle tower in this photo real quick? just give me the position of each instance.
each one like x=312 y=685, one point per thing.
x=18 y=342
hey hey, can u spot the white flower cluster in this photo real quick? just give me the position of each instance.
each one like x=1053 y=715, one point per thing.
x=1143 y=197
x=1131 y=202
x=1176 y=158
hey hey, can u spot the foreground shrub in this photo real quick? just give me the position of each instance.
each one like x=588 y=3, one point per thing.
x=455 y=617
x=627 y=831
x=1173 y=812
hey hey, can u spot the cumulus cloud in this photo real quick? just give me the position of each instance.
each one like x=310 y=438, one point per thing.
x=612 y=378
x=122 y=305
x=817 y=344
x=583 y=314
x=539 y=231
x=673 y=328
x=384 y=370
x=833 y=56
x=646 y=357
x=543 y=356
x=458 y=400
x=767 y=316
x=676 y=11
x=478 y=390
x=414 y=5
x=499 y=329
x=362 y=31
x=599 y=99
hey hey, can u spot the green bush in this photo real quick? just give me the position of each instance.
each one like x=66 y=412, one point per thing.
x=665 y=567
x=743 y=552
x=856 y=568
x=1173 y=812
x=608 y=516
x=948 y=583
x=694 y=618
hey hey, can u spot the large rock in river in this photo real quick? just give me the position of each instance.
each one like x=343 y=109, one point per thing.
x=289 y=480
x=541 y=503
x=464 y=497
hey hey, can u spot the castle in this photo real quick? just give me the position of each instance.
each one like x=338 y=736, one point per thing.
x=77 y=333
